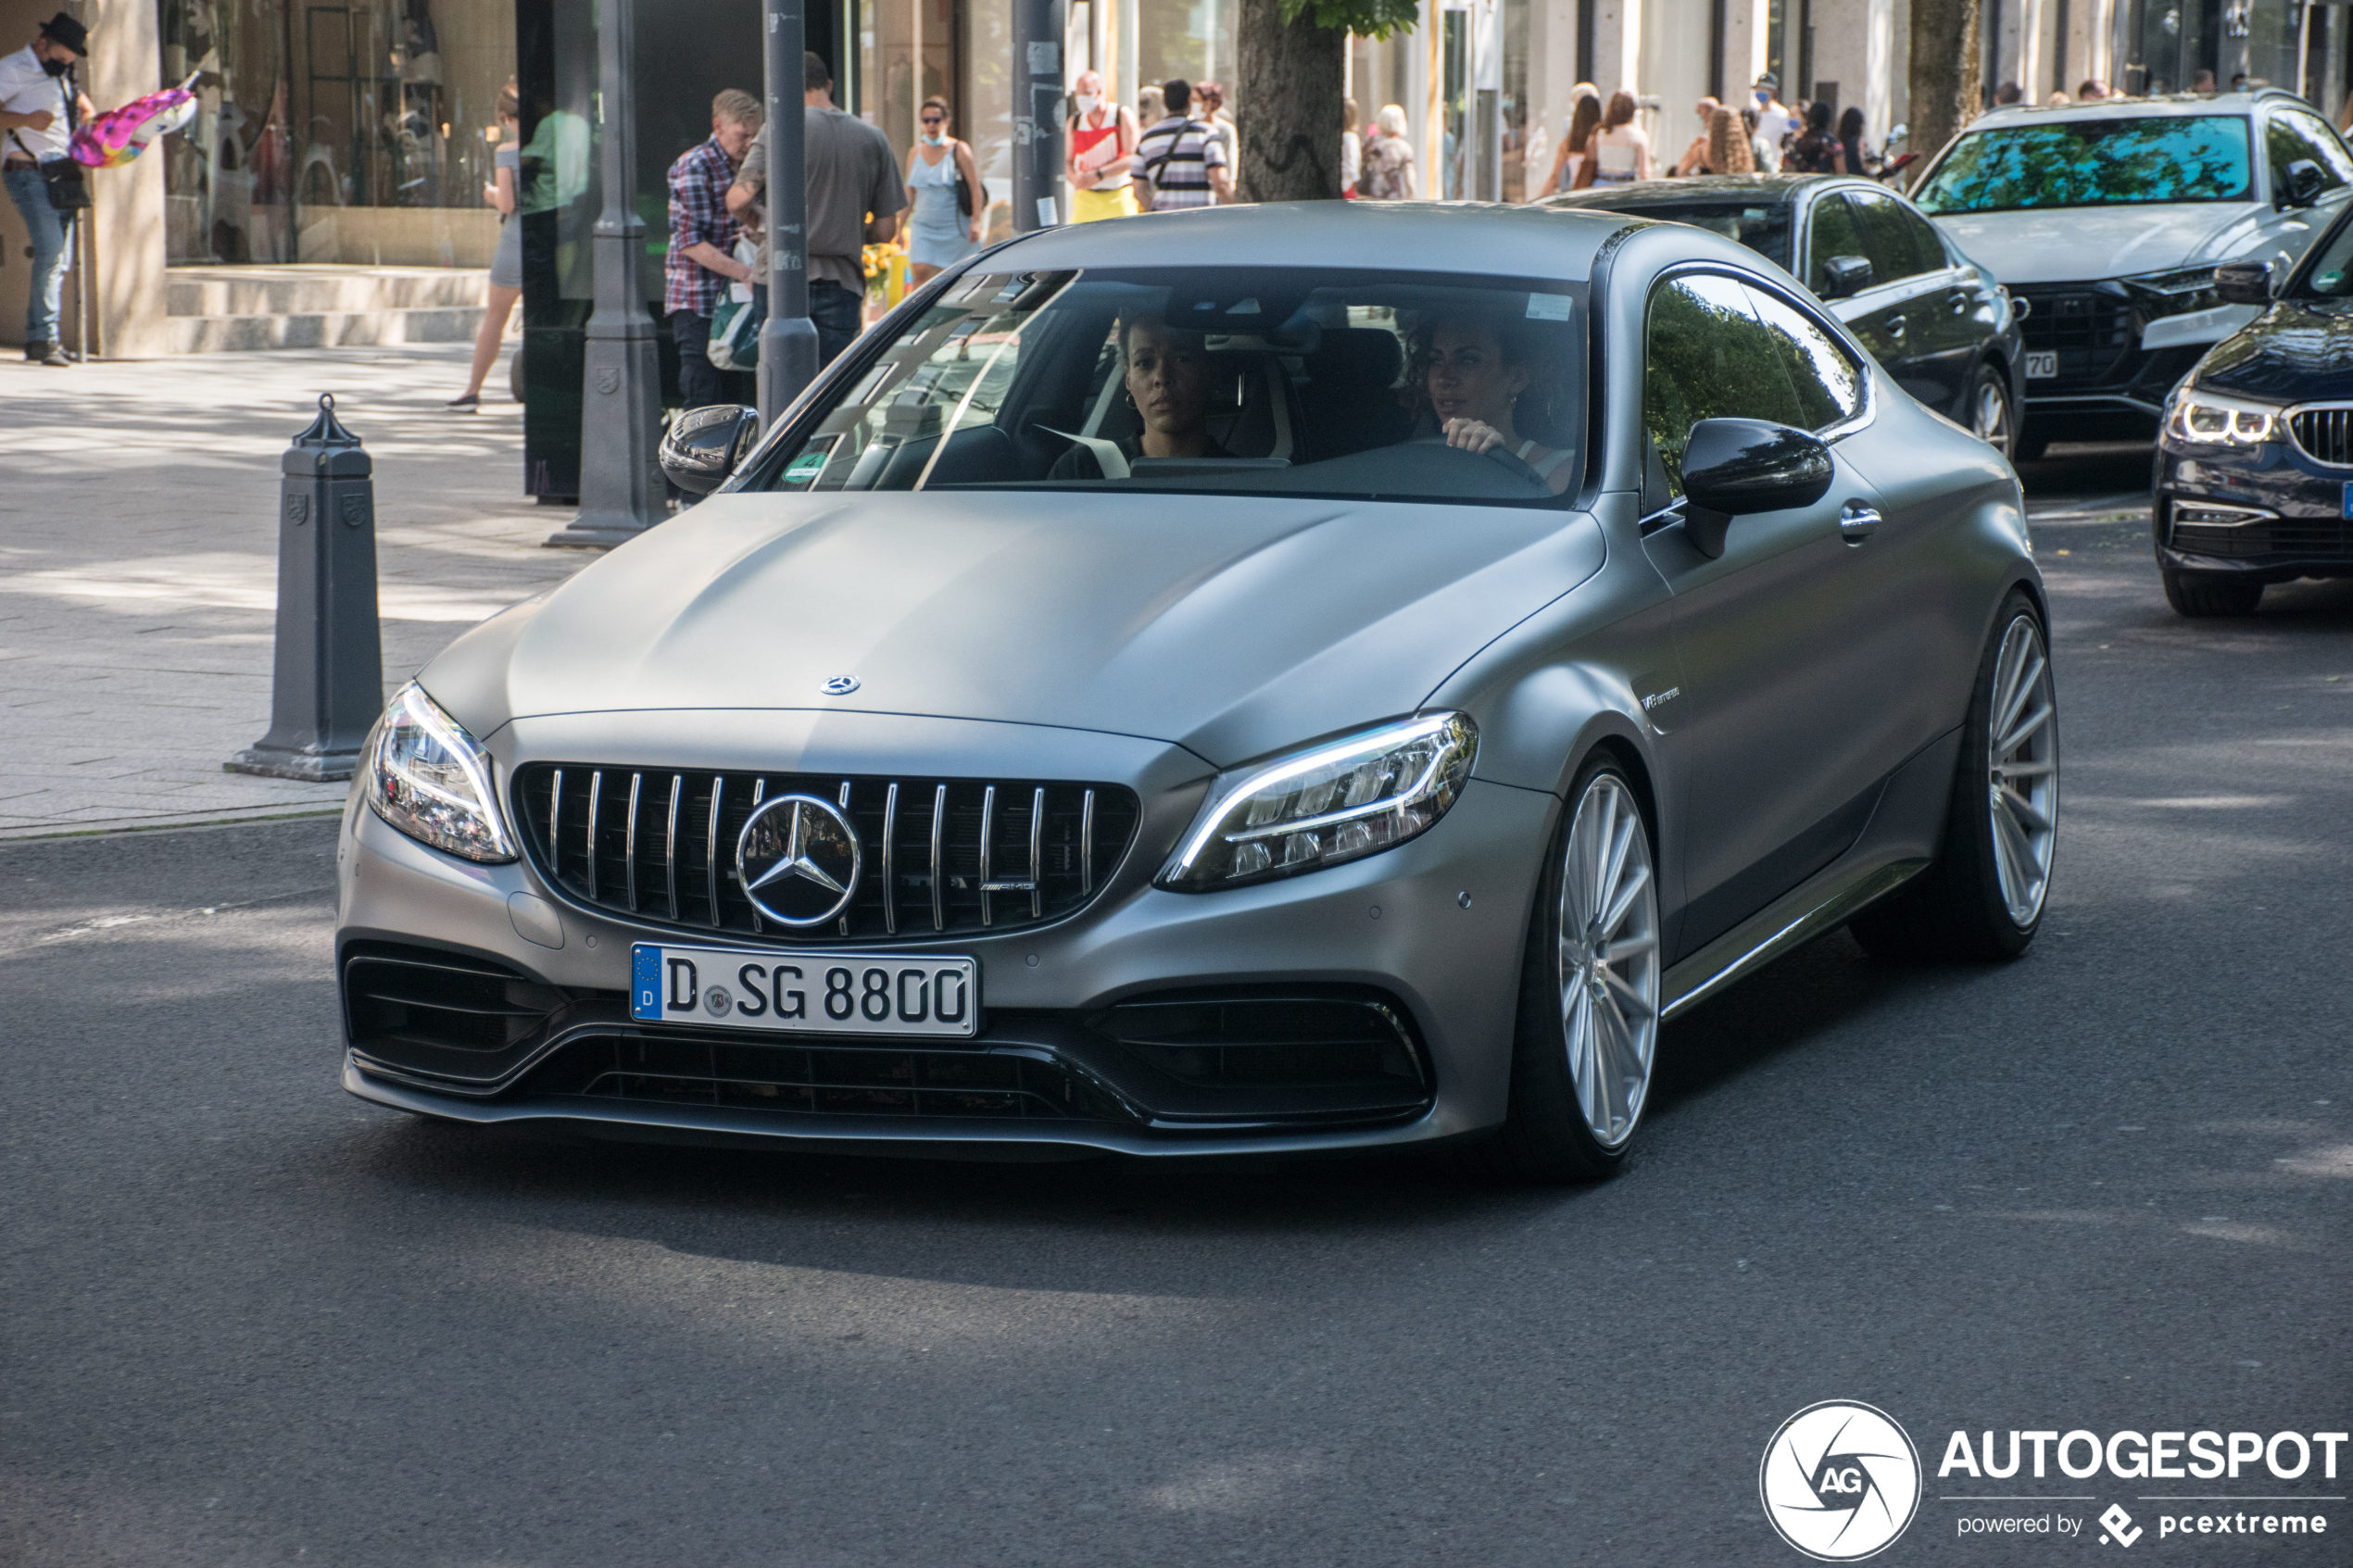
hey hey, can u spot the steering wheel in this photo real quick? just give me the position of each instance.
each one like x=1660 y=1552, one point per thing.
x=1511 y=462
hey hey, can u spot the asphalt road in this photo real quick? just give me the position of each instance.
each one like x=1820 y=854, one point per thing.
x=246 y=1319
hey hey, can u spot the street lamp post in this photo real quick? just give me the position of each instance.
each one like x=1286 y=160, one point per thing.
x=1038 y=118
x=787 y=339
x=621 y=487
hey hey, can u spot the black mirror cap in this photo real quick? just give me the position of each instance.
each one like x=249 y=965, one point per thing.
x=1734 y=467
x=1845 y=275
x=2244 y=283
x=703 y=446
x=2303 y=182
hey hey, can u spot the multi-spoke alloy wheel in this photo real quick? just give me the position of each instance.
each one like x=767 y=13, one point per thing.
x=1990 y=410
x=1588 y=993
x=2022 y=743
x=1983 y=895
x=1608 y=959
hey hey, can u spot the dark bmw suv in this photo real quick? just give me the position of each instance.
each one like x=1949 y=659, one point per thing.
x=2254 y=459
x=1928 y=312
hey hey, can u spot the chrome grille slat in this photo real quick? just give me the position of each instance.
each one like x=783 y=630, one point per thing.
x=629 y=844
x=670 y=841
x=758 y=793
x=1075 y=835
x=596 y=791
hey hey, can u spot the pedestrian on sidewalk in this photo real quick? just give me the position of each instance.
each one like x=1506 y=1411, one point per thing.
x=1695 y=158
x=1619 y=153
x=1774 y=122
x=701 y=260
x=40 y=106
x=1351 y=149
x=1568 y=158
x=1102 y=153
x=1178 y=162
x=506 y=262
x=1850 y=141
x=941 y=231
x=1209 y=108
x=1815 y=151
x=853 y=198
x=1388 y=162
x=1151 y=105
x=1731 y=149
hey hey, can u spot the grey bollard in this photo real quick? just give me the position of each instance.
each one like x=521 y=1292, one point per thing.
x=329 y=682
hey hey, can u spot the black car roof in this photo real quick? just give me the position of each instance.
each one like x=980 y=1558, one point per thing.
x=1765 y=189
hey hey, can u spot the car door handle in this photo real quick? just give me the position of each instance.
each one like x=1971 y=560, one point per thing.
x=1896 y=326
x=1960 y=305
x=1857 y=522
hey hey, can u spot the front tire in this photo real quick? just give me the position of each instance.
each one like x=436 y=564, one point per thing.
x=1588 y=1034
x=1991 y=416
x=2202 y=595
x=1984 y=897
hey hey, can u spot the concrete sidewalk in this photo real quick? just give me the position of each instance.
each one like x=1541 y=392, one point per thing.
x=138 y=564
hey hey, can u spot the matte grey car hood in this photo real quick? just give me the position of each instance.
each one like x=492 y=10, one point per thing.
x=2075 y=244
x=1233 y=625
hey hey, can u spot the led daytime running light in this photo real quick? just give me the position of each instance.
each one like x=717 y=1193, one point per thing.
x=431 y=780
x=2203 y=420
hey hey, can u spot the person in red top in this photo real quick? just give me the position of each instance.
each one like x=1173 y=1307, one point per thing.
x=1102 y=152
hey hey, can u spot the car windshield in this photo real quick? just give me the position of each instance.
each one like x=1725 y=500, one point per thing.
x=1763 y=229
x=1255 y=380
x=2094 y=163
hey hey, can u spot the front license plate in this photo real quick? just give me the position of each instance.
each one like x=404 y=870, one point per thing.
x=809 y=993
x=2042 y=366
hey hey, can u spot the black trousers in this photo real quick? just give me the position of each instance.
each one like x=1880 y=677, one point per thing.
x=701 y=383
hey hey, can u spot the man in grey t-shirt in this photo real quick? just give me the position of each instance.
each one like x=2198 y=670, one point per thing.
x=852 y=173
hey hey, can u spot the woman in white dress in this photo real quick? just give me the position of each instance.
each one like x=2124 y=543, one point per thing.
x=1620 y=152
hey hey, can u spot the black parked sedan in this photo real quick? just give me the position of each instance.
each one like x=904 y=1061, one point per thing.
x=1936 y=319
x=2255 y=460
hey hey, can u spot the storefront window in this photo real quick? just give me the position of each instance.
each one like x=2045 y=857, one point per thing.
x=336 y=132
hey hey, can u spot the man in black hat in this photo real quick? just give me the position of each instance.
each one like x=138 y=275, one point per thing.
x=39 y=107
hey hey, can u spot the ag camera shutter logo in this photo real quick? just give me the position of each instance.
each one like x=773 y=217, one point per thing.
x=1840 y=1481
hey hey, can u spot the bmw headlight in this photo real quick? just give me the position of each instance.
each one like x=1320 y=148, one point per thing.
x=2175 y=291
x=2207 y=419
x=1338 y=802
x=431 y=780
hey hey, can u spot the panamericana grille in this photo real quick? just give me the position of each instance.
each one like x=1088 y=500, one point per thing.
x=2298 y=538
x=2089 y=332
x=941 y=855
x=2325 y=434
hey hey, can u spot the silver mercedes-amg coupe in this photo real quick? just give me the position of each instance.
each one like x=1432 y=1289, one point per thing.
x=1256 y=680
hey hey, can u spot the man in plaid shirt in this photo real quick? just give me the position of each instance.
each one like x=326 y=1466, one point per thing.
x=702 y=261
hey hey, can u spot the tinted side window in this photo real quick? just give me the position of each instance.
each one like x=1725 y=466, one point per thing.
x=1829 y=386
x=2290 y=136
x=1707 y=356
x=1832 y=232
x=1888 y=239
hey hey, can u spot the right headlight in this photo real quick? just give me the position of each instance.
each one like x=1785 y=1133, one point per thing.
x=1334 y=803
x=431 y=780
x=2205 y=420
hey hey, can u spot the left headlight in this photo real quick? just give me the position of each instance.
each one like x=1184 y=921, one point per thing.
x=1334 y=803
x=2206 y=420
x=431 y=780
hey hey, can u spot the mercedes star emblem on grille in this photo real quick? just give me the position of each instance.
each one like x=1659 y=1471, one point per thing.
x=841 y=685
x=799 y=859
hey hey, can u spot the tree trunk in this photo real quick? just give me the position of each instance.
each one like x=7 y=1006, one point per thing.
x=1287 y=104
x=1947 y=52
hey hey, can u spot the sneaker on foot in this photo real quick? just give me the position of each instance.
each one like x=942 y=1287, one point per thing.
x=55 y=355
x=465 y=405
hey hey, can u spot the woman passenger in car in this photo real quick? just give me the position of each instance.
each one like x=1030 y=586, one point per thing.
x=1481 y=380
x=1167 y=382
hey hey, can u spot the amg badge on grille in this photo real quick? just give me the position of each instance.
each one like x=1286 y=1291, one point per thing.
x=799 y=859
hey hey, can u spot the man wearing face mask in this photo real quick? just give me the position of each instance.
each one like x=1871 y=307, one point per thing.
x=1102 y=151
x=1774 y=122
x=39 y=107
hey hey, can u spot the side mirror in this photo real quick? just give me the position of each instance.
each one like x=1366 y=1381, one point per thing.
x=1735 y=466
x=1845 y=275
x=703 y=446
x=2244 y=283
x=2301 y=183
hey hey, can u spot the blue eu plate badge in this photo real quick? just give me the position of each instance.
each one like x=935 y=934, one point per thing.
x=2348 y=511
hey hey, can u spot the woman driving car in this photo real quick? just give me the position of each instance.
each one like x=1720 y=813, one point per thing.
x=1476 y=376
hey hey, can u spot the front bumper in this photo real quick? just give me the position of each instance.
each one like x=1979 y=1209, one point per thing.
x=1432 y=931
x=2114 y=363
x=2303 y=530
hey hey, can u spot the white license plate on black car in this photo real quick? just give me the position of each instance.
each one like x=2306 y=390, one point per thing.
x=2042 y=366
x=809 y=993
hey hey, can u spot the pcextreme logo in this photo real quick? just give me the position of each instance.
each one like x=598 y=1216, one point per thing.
x=1840 y=1481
